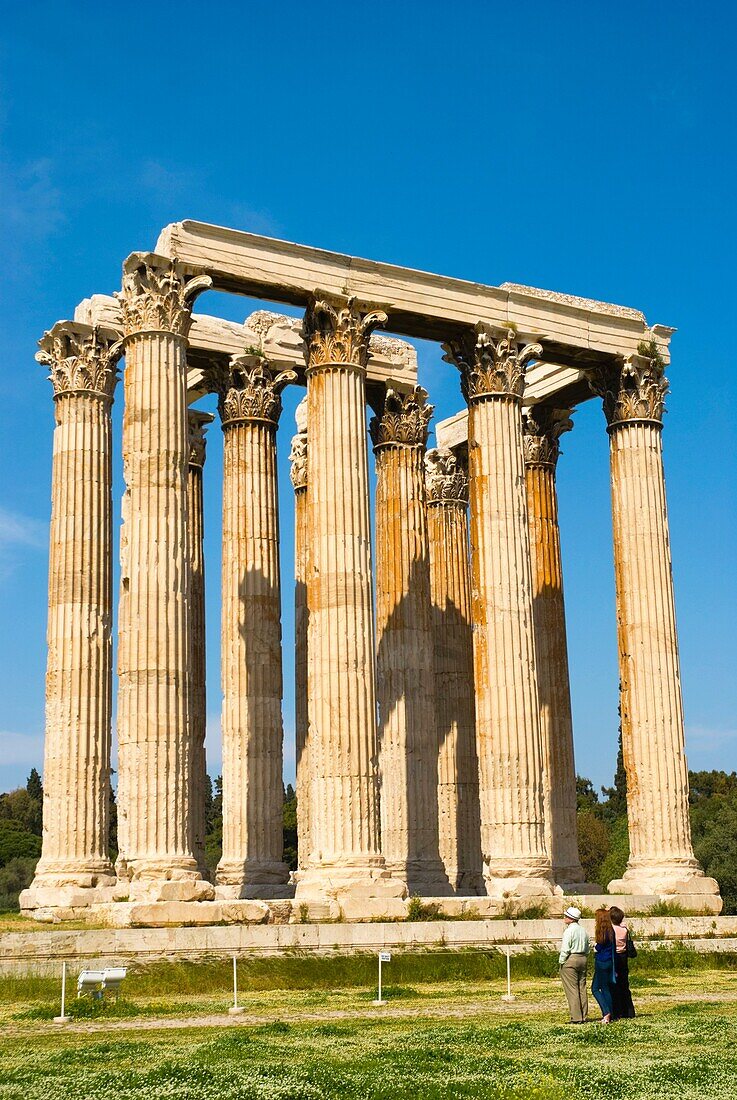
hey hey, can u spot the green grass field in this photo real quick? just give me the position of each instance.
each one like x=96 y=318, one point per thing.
x=310 y=1032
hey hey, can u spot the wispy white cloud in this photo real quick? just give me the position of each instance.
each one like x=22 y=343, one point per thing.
x=18 y=535
x=711 y=747
x=21 y=750
x=252 y=220
x=30 y=200
x=710 y=737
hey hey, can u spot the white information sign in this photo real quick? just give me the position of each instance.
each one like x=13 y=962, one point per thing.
x=385 y=956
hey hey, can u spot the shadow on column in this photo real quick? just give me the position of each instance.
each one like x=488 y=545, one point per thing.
x=421 y=819
x=453 y=638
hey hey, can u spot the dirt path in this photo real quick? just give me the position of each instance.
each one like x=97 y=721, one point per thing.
x=490 y=1006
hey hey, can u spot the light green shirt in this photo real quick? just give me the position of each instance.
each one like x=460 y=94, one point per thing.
x=575 y=942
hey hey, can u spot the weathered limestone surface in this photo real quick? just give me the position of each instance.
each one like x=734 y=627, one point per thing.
x=79 y=665
x=417 y=302
x=299 y=475
x=344 y=855
x=279 y=338
x=250 y=407
x=154 y=704
x=197 y=422
x=408 y=750
x=661 y=853
x=543 y=427
x=459 y=824
x=516 y=857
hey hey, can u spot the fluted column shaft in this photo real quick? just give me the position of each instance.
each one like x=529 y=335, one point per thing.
x=197 y=421
x=661 y=853
x=459 y=824
x=154 y=710
x=79 y=666
x=542 y=430
x=407 y=735
x=301 y=617
x=507 y=708
x=344 y=826
x=251 y=863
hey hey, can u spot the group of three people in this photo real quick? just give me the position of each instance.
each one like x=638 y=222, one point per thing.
x=613 y=948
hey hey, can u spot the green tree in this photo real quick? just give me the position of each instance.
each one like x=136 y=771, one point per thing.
x=615 y=804
x=290 y=827
x=593 y=844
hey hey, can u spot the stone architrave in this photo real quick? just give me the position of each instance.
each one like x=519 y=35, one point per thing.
x=459 y=824
x=543 y=426
x=408 y=765
x=661 y=854
x=298 y=458
x=509 y=743
x=252 y=861
x=198 y=422
x=345 y=858
x=74 y=862
x=154 y=698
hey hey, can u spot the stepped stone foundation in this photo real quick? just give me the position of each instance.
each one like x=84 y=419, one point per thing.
x=434 y=746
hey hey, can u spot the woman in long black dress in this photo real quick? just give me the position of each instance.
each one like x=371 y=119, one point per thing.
x=622 y=1006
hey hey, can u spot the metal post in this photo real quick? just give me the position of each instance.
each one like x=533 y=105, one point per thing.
x=509 y=996
x=63 y=1018
x=235 y=1009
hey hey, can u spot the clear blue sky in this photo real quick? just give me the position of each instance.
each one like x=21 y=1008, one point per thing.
x=587 y=148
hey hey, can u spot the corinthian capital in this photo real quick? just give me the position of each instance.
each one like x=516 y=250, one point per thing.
x=81 y=359
x=492 y=362
x=298 y=458
x=157 y=295
x=543 y=426
x=404 y=420
x=633 y=388
x=197 y=423
x=337 y=332
x=252 y=391
x=446 y=478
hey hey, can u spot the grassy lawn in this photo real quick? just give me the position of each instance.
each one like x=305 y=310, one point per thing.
x=310 y=1032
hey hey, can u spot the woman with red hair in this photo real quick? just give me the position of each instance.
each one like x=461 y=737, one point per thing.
x=604 y=970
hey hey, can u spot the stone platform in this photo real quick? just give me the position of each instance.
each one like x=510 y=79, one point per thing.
x=41 y=951
x=173 y=913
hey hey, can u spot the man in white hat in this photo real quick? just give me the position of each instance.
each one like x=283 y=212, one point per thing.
x=573 y=958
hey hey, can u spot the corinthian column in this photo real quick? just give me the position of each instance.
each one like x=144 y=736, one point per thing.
x=661 y=855
x=408 y=766
x=253 y=798
x=344 y=829
x=459 y=824
x=509 y=742
x=543 y=427
x=74 y=858
x=154 y=703
x=197 y=422
x=298 y=458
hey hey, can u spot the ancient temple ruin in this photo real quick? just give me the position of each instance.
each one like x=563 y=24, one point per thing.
x=433 y=718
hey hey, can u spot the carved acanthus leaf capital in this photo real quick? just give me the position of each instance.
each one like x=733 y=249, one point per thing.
x=81 y=359
x=446 y=478
x=543 y=426
x=336 y=333
x=197 y=423
x=298 y=459
x=632 y=389
x=252 y=391
x=157 y=295
x=492 y=362
x=404 y=421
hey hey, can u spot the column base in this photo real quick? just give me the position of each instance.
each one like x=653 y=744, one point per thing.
x=153 y=880
x=466 y=884
x=510 y=881
x=75 y=874
x=238 y=878
x=368 y=879
x=681 y=881
x=423 y=877
x=60 y=902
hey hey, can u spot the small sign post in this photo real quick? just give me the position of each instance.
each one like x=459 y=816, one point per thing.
x=235 y=1009
x=509 y=995
x=384 y=957
x=63 y=1018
